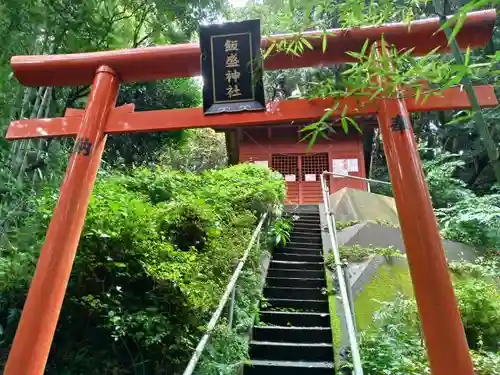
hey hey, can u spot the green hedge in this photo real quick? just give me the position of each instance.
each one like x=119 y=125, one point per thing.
x=156 y=252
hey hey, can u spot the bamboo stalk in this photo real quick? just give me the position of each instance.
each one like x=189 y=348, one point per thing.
x=43 y=110
x=480 y=122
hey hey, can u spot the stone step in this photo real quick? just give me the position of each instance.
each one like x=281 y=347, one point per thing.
x=262 y=367
x=314 y=294
x=278 y=304
x=311 y=352
x=295 y=273
x=298 y=257
x=292 y=334
x=310 y=234
x=314 y=234
x=309 y=219
x=296 y=250
x=296 y=282
x=306 y=239
x=314 y=266
x=300 y=250
x=294 y=319
x=307 y=222
x=299 y=246
x=306 y=225
x=291 y=209
x=302 y=214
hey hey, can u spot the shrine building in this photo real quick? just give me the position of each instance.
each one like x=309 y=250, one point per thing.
x=281 y=148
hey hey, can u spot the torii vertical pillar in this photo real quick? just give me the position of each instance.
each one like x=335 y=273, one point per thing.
x=46 y=294
x=444 y=334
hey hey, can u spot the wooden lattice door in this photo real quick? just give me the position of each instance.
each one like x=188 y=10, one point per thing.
x=288 y=166
x=311 y=167
x=302 y=175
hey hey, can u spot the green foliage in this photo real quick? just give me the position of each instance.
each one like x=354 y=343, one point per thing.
x=474 y=221
x=486 y=267
x=155 y=255
x=394 y=344
x=444 y=187
x=281 y=230
x=227 y=349
x=486 y=363
x=479 y=303
x=137 y=149
x=356 y=253
x=387 y=283
x=224 y=354
x=201 y=149
x=341 y=224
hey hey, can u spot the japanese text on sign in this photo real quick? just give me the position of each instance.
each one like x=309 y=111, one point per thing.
x=232 y=61
x=232 y=67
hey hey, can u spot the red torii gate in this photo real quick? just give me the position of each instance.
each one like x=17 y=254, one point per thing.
x=443 y=330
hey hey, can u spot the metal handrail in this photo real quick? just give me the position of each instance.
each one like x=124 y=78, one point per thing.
x=351 y=329
x=230 y=288
x=357 y=178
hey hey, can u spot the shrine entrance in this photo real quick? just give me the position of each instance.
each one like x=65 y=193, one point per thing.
x=443 y=330
x=302 y=175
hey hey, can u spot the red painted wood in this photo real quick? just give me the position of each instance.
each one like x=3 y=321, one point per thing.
x=342 y=146
x=287 y=111
x=38 y=322
x=183 y=60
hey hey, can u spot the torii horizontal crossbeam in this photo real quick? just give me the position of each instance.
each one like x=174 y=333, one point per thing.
x=183 y=60
x=124 y=120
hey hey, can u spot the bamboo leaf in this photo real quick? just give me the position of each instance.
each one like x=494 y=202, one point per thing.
x=269 y=50
x=365 y=46
x=309 y=127
x=344 y=111
x=312 y=140
x=418 y=92
x=307 y=44
x=375 y=94
x=325 y=41
x=458 y=26
x=354 y=123
x=343 y=122
x=467 y=56
x=327 y=115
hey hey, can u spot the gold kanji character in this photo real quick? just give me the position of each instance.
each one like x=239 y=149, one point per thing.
x=232 y=61
x=231 y=45
x=233 y=90
x=233 y=75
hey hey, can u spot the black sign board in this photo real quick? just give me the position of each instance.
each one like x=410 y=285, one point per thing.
x=231 y=67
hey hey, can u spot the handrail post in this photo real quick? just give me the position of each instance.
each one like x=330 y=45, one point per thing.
x=350 y=297
x=223 y=301
x=351 y=329
x=231 y=308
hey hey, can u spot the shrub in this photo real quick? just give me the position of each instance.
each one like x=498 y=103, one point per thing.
x=155 y=255
x=342 y=224
x=475 y=221
x=486 y=363
x=395 y=345
x=479 y=303
x=356 y=253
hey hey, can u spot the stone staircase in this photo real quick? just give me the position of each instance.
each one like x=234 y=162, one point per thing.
x=293 y=334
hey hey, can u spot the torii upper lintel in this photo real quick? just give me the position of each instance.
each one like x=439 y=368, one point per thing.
x=183 y=60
